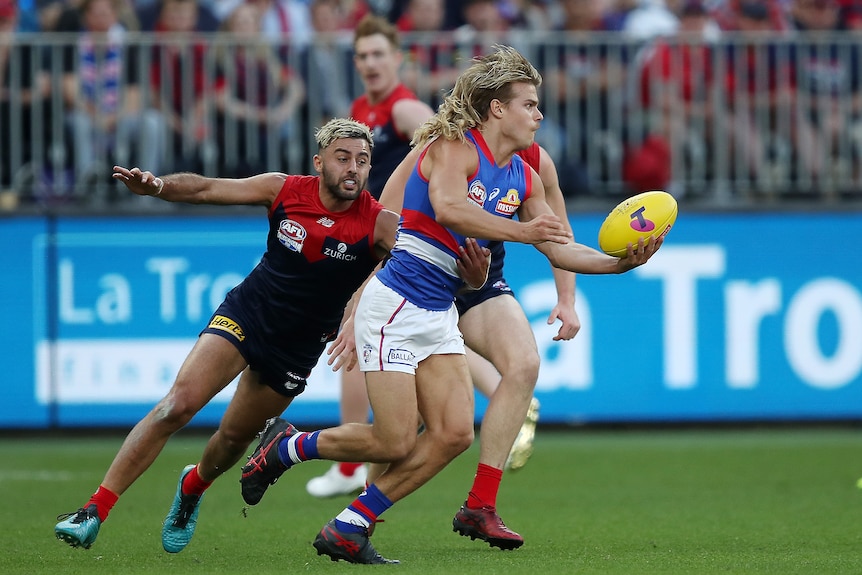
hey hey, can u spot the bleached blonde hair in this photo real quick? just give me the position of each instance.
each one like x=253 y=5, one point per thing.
x=338 y=128
x=467 y=105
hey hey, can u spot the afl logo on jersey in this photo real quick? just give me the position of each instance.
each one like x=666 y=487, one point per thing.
x=292 y=235
x=509 y=205
x=476 y=194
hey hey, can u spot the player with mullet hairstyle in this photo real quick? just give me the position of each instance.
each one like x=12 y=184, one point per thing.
x=406 y=324
x=393 y=113
x=504 y=369
x=271 y=328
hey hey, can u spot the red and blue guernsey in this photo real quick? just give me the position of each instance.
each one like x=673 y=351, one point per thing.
x=423 y=266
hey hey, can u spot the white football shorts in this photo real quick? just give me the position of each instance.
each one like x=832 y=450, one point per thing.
x=392 y=334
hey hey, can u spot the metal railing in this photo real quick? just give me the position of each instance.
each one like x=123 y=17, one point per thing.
x=734 y=122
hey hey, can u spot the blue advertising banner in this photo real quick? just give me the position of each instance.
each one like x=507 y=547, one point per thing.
x=23 y=248
x=739 y=317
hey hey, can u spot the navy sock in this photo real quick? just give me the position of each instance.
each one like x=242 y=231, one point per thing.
x=299 y=447
x=364 y=511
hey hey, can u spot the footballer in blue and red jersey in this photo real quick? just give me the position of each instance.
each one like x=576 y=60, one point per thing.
x=390 y=147
x=423 y=267
x=281 y=316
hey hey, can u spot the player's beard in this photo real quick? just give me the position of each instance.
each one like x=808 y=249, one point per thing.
x=335 y=188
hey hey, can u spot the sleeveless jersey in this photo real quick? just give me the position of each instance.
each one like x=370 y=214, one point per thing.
x=292 y=302
x=498 y=249
x=423 y=267
x=389 y=146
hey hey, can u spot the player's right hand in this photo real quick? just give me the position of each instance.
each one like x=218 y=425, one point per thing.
x=545 y=228
x=342 y=350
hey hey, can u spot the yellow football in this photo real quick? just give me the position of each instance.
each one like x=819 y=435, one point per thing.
x=641 y=216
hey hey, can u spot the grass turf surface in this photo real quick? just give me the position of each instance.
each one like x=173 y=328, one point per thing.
x=776 y=501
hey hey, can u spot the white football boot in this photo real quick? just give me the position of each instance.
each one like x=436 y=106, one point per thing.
x=333 y=482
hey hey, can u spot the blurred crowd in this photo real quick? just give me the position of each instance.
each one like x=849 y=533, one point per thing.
x=694 y=96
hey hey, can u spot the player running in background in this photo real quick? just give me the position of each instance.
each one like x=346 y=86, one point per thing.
x=393 y=113
x=406 y=324
x=325 y=237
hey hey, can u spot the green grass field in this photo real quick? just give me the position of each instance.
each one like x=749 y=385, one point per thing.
x=776 y=501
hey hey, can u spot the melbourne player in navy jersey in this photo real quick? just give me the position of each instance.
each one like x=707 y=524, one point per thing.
x=466 y=184
x=326 y=234
x=307 y=247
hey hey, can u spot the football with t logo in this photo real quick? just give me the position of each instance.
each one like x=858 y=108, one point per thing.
x=641 y=216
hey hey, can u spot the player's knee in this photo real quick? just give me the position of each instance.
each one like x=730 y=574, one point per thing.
x=395 y=448
x=455 y=439
x=525 y=370
x=175 y=410
x=234 y=439
x=462 y=441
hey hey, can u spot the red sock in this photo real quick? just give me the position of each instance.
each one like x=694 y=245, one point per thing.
x=193 y=484
x=104 y=500
x=348 y=469
x=485 y=487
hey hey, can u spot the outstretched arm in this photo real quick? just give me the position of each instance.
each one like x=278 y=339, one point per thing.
x=196 y=189
x=579 y=258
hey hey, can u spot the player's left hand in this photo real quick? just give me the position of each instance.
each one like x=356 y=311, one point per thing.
x=638 y=255
x=571 y=322
x=474 y=263
x=342 y=350
x=140 y=182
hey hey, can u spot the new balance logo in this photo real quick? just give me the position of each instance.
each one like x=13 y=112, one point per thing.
x=326 y=222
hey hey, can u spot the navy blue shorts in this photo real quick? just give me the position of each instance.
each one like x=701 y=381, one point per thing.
x=496 y=284
x=283 y=359
x=464 y=302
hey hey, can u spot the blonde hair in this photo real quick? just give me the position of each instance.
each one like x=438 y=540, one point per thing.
x=338 y=128
x=467 y=104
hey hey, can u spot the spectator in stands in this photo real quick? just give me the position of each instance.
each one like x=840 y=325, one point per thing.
x=28 y=16
x=827 y=79
x=851 y=14
x=678 y=88
x=484 y=26
x=181 y=89
x=149 y=15
x=483 y=16
x=104 y=112
x=327 y=64
x=582 y=96
x=644 y=19
x=527 y=14
x=23 y=90
x=59 y=15
x=65 y=15
x=394 y=10
x=285 y=23
x=758 y=93
x=751 y=15
x=256 y=98
x=431 y=66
